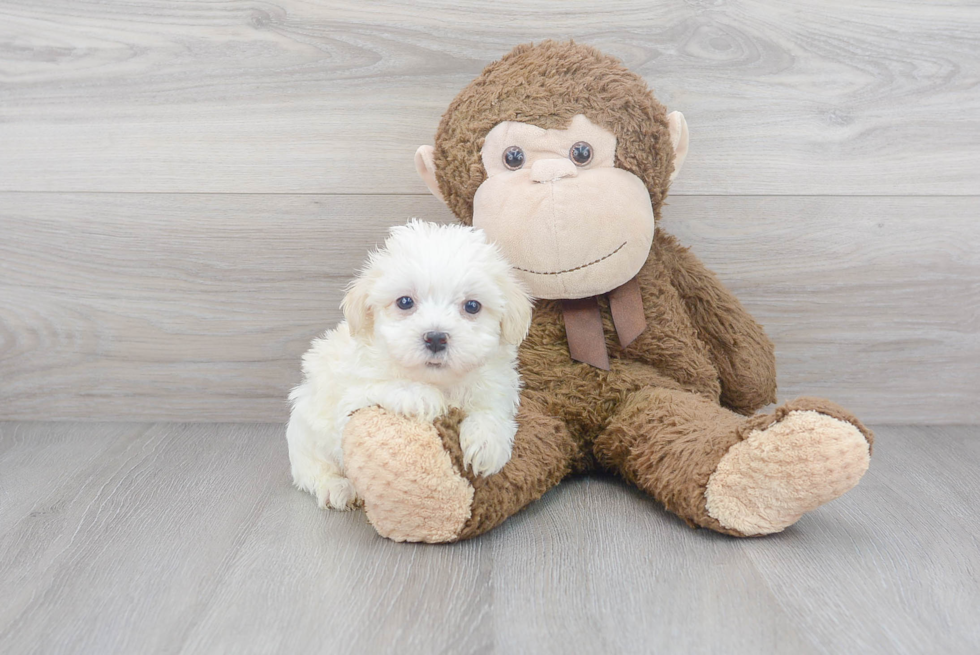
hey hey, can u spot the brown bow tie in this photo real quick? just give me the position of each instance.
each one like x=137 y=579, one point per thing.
x=583 y=323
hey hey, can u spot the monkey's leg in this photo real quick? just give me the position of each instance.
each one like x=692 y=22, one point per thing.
x=739 y=475
x=411 y=478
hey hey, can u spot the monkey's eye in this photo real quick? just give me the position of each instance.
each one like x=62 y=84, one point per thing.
x=472 y=307
x=513 y=158
x=405 y=303
x=580 y=153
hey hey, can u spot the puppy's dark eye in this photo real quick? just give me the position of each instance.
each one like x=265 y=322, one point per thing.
x=472 y=307
x=405 y=302
x=580 y=153
x=513 y=158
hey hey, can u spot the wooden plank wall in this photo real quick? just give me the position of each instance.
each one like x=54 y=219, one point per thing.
x=185 y=187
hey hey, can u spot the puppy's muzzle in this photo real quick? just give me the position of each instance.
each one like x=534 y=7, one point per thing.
x=435 y=341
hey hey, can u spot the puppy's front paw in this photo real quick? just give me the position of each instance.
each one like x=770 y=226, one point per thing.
x=335 y=492
x=486 y=441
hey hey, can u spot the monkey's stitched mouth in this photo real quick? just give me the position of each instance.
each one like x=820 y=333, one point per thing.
x=577 y=268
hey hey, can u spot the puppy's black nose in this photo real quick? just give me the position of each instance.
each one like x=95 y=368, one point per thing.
x=435 y=341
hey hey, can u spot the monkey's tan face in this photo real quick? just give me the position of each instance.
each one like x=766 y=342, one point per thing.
x=572 y=223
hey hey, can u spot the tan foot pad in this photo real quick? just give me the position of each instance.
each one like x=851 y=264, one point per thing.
x=768 y=481
x=400 y=469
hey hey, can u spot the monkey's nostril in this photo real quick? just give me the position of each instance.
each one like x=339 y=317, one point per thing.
x=552 y=170
x=435 y=341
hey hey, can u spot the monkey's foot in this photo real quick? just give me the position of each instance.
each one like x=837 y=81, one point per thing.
x=802 y=459
x=402 y=472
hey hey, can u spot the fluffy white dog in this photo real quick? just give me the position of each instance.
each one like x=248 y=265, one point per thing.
x=432 y=322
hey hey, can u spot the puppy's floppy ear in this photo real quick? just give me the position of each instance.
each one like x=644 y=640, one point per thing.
x=517 y=309
x=357 y=309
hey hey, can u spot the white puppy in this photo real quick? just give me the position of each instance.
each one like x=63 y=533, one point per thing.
x=433 y=322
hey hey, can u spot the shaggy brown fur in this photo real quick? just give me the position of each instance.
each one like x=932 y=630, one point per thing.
x=546 y=85
x=655 y=417
x=676 y=399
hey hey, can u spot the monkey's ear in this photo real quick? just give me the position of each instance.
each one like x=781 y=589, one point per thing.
x=357 y=309
x=426 y=167
x=679 y=138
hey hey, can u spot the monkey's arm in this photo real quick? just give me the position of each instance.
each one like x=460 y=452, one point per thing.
x=740 y=349
x=411 y=478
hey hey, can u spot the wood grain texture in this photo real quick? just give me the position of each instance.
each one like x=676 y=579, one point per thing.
x=190 y=539
x=789 y=98
x=198 y=307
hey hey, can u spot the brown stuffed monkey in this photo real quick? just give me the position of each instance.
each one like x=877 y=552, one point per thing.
x=638 y=361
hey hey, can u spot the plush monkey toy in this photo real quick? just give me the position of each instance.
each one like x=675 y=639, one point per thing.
x=638 y=362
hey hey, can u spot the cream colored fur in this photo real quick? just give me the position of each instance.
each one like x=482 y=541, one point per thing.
x=378 y=355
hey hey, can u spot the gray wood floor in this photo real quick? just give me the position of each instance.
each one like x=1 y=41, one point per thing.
x=138 y=538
